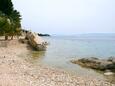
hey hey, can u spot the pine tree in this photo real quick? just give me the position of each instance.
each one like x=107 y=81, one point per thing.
x=6 y=6
x=9 y=19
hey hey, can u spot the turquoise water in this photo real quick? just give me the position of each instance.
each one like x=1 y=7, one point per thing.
x=62 y=49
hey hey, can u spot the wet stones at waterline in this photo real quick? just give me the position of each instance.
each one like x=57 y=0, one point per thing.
x=95 y=63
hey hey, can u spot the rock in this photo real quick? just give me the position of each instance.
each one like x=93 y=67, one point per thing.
x=36 y=42
x=95 y=63
x=112 y=59
x=108 y=73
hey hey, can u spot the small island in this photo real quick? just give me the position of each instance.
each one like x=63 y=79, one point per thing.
x=40 y=34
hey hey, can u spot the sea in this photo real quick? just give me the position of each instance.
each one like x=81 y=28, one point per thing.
x=62 y=49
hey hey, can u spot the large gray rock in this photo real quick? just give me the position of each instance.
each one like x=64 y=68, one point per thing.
x=36 y=42
x=95 y=63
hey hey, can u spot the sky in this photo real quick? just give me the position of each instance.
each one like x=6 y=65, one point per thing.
x=67 y=16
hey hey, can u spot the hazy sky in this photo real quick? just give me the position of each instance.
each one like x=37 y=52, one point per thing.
x=67 y=16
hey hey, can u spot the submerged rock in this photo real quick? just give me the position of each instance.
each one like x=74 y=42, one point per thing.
x=95 y=63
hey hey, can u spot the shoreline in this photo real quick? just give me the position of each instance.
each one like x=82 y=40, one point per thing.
x=17 y=71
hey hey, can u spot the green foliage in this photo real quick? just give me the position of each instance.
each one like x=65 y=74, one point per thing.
x=9 y=19
x=4 y=26
x=6 y=6
x=15 y=18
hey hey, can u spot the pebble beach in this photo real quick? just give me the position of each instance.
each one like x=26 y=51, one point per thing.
x=16 y=71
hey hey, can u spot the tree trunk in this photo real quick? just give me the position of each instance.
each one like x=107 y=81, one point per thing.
x=18 y=37
x=6 y=37
x=12 y=37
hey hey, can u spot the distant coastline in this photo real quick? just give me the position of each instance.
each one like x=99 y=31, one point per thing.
x=39 y=34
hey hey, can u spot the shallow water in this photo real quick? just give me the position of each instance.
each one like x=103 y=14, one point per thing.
x=62 y=49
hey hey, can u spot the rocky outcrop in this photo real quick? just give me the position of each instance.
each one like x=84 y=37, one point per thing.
x=95 y=63
x=36 y=42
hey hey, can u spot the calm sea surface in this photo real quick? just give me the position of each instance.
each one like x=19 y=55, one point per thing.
x=62 y=49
